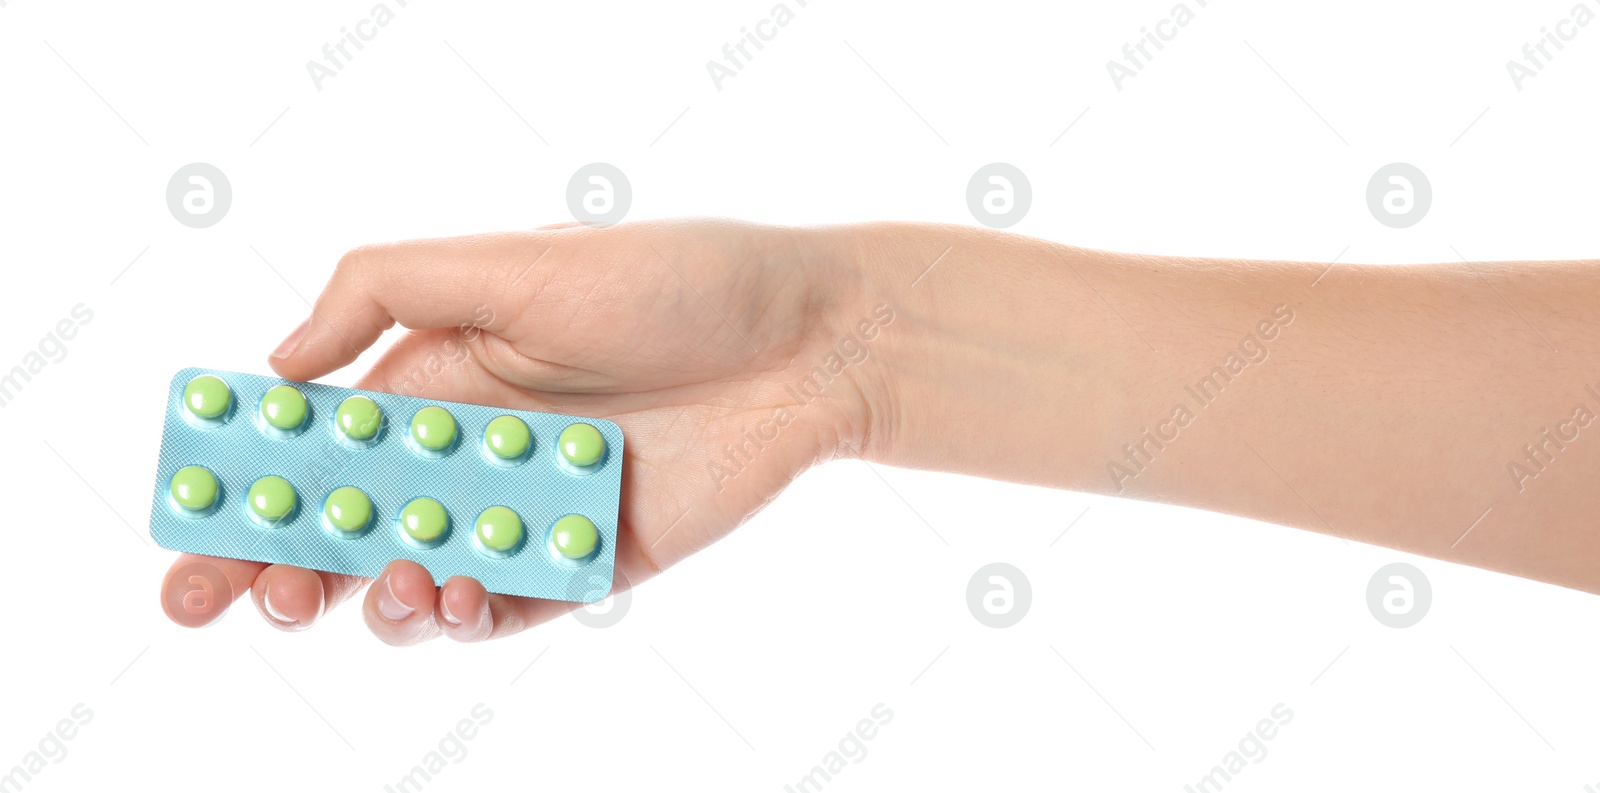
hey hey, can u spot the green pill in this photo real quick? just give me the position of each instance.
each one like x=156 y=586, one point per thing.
x=581 y=445
x=284 y=407
x=424 y=519
x=507 y=437
x=574 y=537
x=348 y=509
x=358 y=418
x=194 y=488
x=433 y=428
x=207 y=397
x=499 y=529
x=271 y=498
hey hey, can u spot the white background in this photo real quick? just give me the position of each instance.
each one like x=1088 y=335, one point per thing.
x=1157 y=636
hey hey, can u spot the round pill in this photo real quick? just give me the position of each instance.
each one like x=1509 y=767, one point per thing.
x=194 y=488
x=207 y=396
x=433 y=428
x=423 y=519
x=283 y=407
x=582 y=445
x=359 y=418
x=271 y=498
x=348 y=509
x=507 y=437
x=499 y=529
x=574 y=536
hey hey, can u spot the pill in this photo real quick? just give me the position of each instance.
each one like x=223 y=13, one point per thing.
x=358 y=418
x=271 y=498
x=283 y=407
x=207 y=397
x=499 y=529
x=433 y=428
x=347 y=509
x=424 y=519
x=194 y=488
x=582 y=445
x=574 y=537
x=507 y=437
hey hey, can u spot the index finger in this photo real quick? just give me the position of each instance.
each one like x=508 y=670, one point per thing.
x=465 y=282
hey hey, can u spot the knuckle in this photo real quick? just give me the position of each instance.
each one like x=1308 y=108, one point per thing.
x=358 y=261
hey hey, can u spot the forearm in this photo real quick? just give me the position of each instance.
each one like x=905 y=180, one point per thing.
x=1392 y=405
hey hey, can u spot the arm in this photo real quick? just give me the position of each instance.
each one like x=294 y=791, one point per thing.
x=1440 y=409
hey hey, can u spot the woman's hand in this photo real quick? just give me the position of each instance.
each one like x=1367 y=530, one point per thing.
x=1393 y=405
x=701 y=339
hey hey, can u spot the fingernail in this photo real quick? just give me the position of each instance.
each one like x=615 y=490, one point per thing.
x=288 y=345
x=272 y=611
x=444 y=611
x=390 y=606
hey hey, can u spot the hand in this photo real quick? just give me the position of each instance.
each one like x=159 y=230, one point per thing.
x=690 y=335
x=734 y=357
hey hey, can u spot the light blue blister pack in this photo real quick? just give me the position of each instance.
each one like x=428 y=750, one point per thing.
x=346 y=481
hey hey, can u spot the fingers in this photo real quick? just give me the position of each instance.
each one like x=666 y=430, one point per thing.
x=294 y=598
x=467 y=612
x=400 y=604
x=462 y=282
x=197 y=590
x=464 y=612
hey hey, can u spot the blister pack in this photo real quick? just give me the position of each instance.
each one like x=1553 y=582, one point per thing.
x=346 y=481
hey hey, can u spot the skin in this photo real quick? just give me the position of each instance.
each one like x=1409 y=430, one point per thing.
x=1379 y=404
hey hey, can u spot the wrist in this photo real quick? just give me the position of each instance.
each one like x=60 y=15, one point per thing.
x=833 y=382
x=971 y=335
